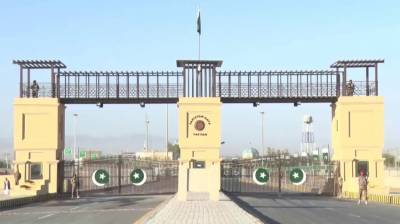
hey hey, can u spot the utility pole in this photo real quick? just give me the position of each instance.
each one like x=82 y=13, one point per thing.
x=262 y=138
x=7 y=154
x=166 y=134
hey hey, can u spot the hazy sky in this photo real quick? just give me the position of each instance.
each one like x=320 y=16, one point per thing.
x=248 y=35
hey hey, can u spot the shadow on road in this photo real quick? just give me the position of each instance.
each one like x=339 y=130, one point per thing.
x=250 y=209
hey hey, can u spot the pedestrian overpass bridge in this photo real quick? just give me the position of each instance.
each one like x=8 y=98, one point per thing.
x=197 y=79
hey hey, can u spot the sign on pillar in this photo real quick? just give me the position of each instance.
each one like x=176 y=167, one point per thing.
x=200 y=142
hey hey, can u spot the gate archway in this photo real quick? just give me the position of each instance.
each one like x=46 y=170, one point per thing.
x=198 y=79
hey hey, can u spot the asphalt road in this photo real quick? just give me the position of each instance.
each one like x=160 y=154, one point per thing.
x=86 y=210
x=305 y=209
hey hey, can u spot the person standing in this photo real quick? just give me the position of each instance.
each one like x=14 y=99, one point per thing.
x=6 y=186
x=340 y=187
x=17 y=176
x=35 y=89
x=75 y=185
x=350 y=88
x=363 y=186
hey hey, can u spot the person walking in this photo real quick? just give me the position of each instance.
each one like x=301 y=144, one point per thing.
x=6 y=186
x=75 y=185
x=363 y=186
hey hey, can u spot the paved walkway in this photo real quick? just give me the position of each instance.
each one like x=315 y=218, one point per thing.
x=223 y=211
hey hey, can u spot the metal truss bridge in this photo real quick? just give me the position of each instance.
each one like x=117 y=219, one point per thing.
x=196 y=79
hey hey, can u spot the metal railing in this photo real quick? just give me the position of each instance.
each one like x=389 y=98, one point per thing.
x=231 y=87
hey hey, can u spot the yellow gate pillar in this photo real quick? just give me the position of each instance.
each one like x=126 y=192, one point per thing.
x=38 y=144
x=199 y=142
x=358 y=138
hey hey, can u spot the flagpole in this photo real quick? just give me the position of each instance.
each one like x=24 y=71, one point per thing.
x=199 y=46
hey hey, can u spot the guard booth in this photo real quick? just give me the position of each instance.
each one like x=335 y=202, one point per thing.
x=199 y=131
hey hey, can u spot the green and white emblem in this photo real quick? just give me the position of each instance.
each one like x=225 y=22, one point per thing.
x=297 y=176
x=100 y=177
x=260 y=176
x=138 y=177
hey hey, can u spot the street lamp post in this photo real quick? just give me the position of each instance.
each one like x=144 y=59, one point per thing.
x=147 y=133
x=75 y=124
x=166 y=134
x=262 y=138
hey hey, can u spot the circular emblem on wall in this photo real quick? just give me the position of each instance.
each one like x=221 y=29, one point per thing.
x=260 y=176
x=138 y=177
x=100 y=177
x=199 y=125
x=297 y=176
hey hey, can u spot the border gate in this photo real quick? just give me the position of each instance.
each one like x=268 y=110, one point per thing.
x=39 y=112
x=238 y=177
x=161 y=176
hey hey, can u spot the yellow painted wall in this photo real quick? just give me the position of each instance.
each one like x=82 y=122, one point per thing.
x=203 y=145
x=358 y=134
x=38 y=138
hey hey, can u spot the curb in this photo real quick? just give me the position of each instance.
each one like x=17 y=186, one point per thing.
x=18 y=202
x=150 y=214
x=386 y=199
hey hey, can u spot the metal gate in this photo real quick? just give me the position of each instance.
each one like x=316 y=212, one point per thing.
x=162 y=176
x=237 y=176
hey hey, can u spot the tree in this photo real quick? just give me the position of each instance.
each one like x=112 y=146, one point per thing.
x=3 y=164
x=176 y=151
x=389 y=159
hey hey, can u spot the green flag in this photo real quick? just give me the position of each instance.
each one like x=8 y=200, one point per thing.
x=67 y=151
x=82 y=154
x=198 y=23
x=93 y=156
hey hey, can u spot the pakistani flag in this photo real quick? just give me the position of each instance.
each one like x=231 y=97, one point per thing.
x=260 y=176
x=82 y=154
x=67 y=151
x=198 y=23
x=297 y=176
x=100 y=177
x=138 y=177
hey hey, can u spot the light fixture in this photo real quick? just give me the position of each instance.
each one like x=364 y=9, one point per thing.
x=255 y=104
x=142 y=104
x=99 y=104
x=296 y=104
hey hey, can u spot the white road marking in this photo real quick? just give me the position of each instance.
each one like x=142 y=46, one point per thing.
x=332 y=209
x=351 y=214
x=76 y=211
x=45 y=216
x=75 y=207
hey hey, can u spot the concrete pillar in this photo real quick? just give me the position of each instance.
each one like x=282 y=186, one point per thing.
x=357 y=140
x=200 y=142
x=38 y=144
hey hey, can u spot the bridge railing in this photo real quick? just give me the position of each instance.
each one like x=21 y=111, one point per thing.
x=229 y=85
